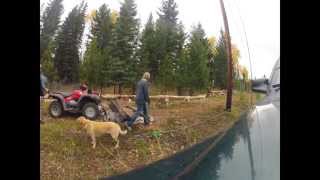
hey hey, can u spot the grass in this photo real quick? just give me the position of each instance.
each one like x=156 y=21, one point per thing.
x=66 y=153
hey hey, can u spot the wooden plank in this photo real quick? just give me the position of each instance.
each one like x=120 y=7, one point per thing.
x=116 y=107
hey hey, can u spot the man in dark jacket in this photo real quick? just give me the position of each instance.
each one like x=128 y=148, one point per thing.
x=142 y=101
x=43 y=91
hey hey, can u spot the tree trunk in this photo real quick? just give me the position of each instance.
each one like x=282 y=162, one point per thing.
x=133 y=88
x=179 y=91
x=120 y=89
x=190 y=92
x=101 y=90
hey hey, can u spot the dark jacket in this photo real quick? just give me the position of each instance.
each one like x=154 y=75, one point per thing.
x=142 y=92
x=42 y=84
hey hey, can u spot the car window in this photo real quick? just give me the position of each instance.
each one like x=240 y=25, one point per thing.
x=275 y=76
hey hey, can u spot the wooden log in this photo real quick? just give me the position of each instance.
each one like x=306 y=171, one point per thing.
x=128 y=111
x=116 y=107
x=165 y=98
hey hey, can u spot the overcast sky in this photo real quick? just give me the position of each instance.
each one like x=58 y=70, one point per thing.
x=261 y=20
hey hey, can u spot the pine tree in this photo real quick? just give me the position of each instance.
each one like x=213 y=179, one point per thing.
x=125 y=45
x=90 y=64
x=183 y=72
x=147 y=50
x=199 y=54
x=195 y=65
x=69 y=39
x=212 y=52
x=181 y=66
x=96 y=66
x=49 y=22
x=48 y=65
x=181 y=38
x=101 y=27
x=167 y=43
x=166 y=78
x=220 y=63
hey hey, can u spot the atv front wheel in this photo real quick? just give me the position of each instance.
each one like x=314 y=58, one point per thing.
x=55 y=109
x=90 y=110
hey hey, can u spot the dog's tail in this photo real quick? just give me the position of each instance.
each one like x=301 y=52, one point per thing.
x=123 y=132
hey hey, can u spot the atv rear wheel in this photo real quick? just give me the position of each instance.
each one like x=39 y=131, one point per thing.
x=55 y=109
x=90 y=110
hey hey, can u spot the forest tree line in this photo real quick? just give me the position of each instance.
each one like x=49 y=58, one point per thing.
x=118 y=51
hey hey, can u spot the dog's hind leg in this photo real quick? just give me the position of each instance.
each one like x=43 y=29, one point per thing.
x=117 y=145
x=115 y=138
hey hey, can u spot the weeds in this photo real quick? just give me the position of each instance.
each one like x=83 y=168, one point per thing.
x=143 y=149
x=157 y=134
x=66 y=152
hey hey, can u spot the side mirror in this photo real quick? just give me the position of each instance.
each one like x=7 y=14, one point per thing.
x=260 y=85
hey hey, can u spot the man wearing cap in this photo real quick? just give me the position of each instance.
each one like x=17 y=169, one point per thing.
x=142 y=101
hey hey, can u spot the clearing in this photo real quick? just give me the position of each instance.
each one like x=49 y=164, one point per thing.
x=66 y=153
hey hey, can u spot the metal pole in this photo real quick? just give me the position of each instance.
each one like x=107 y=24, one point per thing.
x=229 y=54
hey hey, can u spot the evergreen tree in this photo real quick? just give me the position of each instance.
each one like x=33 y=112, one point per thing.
x=167 y=42
x=181 y=38
x=195 y=70
x=220 y=63
x=212 y=53
x=49 y=22
x=96 y=66
x=68 y=43
x=199 y=51
x=125 y=45
x=90 y=64
x=183 y=72
x=48 y=65
x=147 y=50
x=181 y=66
x=101 y=27
x=166 y=78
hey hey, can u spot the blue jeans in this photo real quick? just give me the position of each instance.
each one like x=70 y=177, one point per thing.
x=142 y=110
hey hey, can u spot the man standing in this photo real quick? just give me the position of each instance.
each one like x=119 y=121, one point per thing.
x=142 y=101
x=43 y=91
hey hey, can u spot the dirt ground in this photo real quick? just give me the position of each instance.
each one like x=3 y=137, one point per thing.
x=66 y=153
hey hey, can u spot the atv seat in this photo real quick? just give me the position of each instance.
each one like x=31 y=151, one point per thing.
x=65 y=94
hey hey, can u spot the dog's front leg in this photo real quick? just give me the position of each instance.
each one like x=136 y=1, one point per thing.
x=93 y=138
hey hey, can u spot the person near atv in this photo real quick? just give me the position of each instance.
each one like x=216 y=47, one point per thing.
x=43 y=91
x=76 y=94
x=142 y=101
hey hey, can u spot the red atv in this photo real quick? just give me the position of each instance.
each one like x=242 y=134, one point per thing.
x=79 y=101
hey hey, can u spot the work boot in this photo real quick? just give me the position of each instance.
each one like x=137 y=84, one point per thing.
x=128 y=127
x=147 y=123
x=146 y=120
